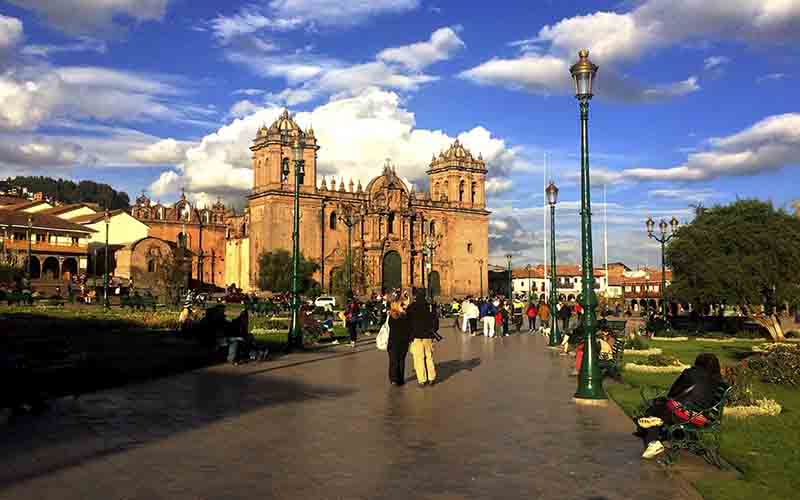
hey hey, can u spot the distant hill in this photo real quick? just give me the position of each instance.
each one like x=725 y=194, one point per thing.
x=67 y=191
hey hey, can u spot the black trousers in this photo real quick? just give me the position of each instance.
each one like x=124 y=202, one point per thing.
x=397 y=364
x=473 y=325
x=351 y=328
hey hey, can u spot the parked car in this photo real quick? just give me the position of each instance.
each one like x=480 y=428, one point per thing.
x=325 y=301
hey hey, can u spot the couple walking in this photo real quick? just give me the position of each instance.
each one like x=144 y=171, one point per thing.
x=412 y=326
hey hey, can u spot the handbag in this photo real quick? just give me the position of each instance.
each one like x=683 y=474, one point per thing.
x=382 y=339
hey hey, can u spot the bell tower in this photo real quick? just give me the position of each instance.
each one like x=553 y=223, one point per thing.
x=273 y=146
x=457 y=177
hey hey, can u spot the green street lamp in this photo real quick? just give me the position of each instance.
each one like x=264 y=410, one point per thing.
x=480 y=269
x=528 y=268
x=552 y=199
x=590 y=381
x=349 y=216
x=431 y=243
x=295 y=332
x=106 y=302
x=663 y=239
x=30 y=232
x=510 y=291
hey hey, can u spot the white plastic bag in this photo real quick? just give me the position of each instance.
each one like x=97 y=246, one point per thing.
x=382 y=339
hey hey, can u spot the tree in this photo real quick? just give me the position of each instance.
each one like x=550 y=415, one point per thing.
x=361 y=275
x=67 y=191
x=275 y=272
x=746 y=254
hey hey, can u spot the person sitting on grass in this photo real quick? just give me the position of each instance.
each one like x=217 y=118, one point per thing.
x=694 y=388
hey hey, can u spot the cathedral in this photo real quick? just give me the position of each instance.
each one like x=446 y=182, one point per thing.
x=400 y=238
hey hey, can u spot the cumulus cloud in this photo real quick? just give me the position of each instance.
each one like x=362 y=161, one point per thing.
x=356 y=135
x=243 y=108
x=443 y=43
x=616 y=39
x=11 y=33
x=771 y=77
x=165 y=151
x=83 y=45
x=96 y=18
x=770 y=144
x=715 y=62
x=696 y=195
x=498 y=185
x=36 y=154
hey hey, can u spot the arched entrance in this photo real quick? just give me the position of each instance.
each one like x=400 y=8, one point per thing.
x=392 y=271
x=50 y=268
x=35 y=269
x=435 y=284
x=69 y=268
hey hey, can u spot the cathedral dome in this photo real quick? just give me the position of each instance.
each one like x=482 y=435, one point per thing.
x=457 y=152
x=284 y=123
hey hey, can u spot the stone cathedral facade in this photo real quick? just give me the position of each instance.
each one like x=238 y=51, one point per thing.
x=391 y=221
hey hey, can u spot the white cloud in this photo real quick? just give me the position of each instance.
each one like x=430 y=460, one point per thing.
x=38 y=153
x=771 y=77
x=96 y=18
x=243 y=108
x=249 y=92
x=715 y=62
x=356 y=134
x=443 y=43
x=697 y=195
x=165 y=151
x=498 y=185
x=673 y=89
x=11 y=33
x=770 y=144
x=619 y=38
x=84 y=45
x=338 y=12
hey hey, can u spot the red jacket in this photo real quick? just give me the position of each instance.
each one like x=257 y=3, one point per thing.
x=532 y=311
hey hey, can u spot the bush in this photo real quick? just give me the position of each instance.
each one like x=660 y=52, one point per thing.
x=637 y=343
x=741 y=379
x=659 y=360
x=779 y=365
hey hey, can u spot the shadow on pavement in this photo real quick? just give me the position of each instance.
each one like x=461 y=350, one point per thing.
x=75 y=432
x=447 y=369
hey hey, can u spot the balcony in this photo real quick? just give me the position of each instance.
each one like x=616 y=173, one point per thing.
x=44 y=247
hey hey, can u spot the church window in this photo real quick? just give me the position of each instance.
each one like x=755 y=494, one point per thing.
x=390 y=224
x=332 y=221
x=152 y=266
x=432 y=230
x=474 y=192
x=445 y=191
x=284 y=169
x=469 y=247
x=461 y=191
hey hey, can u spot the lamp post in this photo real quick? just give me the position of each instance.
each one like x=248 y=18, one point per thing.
x=510 y=291
x=106 y=303
x=480 y=268
x=590 y=382
x=663 y=239
x=431 y=243
x=295 y=332
x=552 y=199
x=30 y=231
x=528 y=268
x=349 y=217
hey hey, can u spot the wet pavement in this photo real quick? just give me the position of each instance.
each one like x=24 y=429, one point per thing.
x=501 y=423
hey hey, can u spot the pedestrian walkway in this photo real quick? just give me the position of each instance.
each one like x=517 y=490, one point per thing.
x=500 y=423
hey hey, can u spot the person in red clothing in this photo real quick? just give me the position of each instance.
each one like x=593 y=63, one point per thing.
x=530 y=312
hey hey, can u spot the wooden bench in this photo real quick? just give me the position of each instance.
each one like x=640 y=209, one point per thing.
x=702 y=440
x=51 y=301
x=138 y=302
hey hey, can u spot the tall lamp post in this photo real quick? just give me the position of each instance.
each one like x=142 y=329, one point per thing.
x=480 y=268
x=349 y=217
x=552 y=199
x=30 y=232
x=528 y=268
x=295 y=332
x=663 y=239
x=510 y=291
x=590 y=382
x=430 y=244
x=106 y=303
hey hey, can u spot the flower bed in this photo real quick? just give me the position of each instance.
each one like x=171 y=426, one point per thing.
x=769 y=347
x=670 y=339
x=643 y=352
x=633 y=367
x=763 y=408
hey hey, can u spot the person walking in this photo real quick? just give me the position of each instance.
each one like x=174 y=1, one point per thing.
x=421 y=322
x=488 y=312
x=564 y=315
x=399 y=339
x=351 y=320
x=544 y=317
x=530 y=312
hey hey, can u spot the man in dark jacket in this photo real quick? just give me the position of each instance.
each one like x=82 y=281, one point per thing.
x=421 y=322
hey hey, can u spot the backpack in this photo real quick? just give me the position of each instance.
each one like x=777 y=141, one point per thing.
x=382 y=339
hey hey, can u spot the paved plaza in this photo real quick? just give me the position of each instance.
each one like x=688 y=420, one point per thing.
x=500 y=424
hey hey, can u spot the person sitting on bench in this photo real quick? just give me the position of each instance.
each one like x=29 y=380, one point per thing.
x=694 y=388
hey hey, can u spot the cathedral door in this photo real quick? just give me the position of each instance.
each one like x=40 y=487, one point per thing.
x=435 y=284
x=392 y=271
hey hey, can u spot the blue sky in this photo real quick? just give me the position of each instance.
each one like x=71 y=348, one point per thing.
x=694 y=99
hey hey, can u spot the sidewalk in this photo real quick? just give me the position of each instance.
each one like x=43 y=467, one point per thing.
x=500 y=424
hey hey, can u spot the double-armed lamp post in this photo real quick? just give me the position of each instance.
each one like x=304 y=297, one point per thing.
x=590 y=381
x=510 y=291
x=552 y=199
x=295 y=332
x=106 y=299
x=430 y=244
x=30 y=260
x=349 y=216
x=480 y=269
x=528 y=269
x=663 y=239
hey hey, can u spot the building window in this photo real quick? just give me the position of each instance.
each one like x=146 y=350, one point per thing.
x=152 y=266
x=474 y=192
x=390 y=224
x=75 y=241
x=39 y=238
x=461 y=191
x=332 y=222
x=432 y=230
x=469 y=247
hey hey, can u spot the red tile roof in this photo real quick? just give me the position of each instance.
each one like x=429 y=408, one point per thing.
x=16 y=218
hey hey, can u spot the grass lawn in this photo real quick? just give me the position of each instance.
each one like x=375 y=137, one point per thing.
x=765 y=449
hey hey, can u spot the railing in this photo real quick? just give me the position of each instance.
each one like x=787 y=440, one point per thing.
x=41 y=246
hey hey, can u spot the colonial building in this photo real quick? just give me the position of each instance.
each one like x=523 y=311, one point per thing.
x=569 y=282
x=389 y=222
x=200 y=230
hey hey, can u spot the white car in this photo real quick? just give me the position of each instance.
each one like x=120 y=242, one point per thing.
x=325 y=301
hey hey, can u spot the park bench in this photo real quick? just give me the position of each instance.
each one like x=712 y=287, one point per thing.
x=138 y=302
x=611 y=367
x=19 y=298
x=38 y=369
x=50 y=301
x=702 y=440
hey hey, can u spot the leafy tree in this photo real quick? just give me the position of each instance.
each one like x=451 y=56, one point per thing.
x=69 y=192
x=746 y=253
x=275 y=272
x=361 y=275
